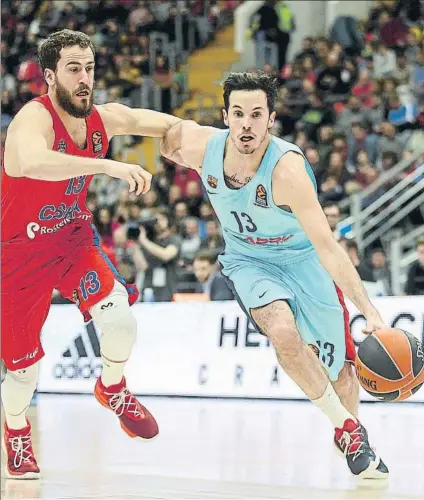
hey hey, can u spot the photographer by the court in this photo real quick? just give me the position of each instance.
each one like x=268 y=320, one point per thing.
x=161 y=249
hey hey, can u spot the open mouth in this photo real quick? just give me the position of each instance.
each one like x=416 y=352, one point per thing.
x=83 y=93
x=246 y=138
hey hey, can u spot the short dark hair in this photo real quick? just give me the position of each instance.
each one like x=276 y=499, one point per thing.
x=352 y=245
x=330 y=204
x=49 y=50
x=206 y=255
x=251 y=81
x=378 y=250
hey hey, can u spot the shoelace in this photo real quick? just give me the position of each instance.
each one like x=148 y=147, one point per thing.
x=349 y=439
x=21 y=445
x=124 y=401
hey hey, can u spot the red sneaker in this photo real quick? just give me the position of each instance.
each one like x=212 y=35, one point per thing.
x=134 y=418
x=21 y=463
x=352 y=441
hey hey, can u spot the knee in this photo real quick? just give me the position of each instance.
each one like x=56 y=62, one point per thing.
x=114 y=317
x=27 y=377
x=347 y=380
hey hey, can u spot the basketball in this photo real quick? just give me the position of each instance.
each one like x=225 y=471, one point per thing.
x=390 y=364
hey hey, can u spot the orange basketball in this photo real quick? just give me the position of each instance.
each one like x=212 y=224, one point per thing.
x=390 y=364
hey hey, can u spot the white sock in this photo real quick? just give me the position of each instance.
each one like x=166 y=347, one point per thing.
x=330 y=404
x=17 y=390
x=112 y=372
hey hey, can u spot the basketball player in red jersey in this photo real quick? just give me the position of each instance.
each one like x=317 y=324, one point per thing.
x=54 y=146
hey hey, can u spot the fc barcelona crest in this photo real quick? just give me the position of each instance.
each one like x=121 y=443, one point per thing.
x=212 y=181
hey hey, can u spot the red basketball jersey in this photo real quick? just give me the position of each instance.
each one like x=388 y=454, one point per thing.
x=36 y=210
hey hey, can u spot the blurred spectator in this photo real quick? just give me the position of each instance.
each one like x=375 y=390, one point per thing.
x=384 y=61
x=317 y=115
x=375 y=114
x=194 y=197
x=334 y=79
x=161 y=249
x=213 y=240
x=325 y=142
x=308 y=50
x=332 y=212
x=364 y=271
x=352 y=113
x=357 y=141
x=403 y=116
x=130 y=260
x=103 y=223
x=366 y=172
x=190 y=244
x=389 y=140
x=380 y=270
x=314 y=159
x=163 y=78
x=274 y=22
x=402 y=72
x=210 y=280
x=415 y=279
x=417 y=78
x=364 y=88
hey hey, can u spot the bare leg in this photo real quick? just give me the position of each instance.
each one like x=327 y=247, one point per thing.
x=347 y=388
x=277 y=322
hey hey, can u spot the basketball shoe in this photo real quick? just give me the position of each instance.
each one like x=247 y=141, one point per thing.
x=134 y=418
x=17 y=445
x=352 y=442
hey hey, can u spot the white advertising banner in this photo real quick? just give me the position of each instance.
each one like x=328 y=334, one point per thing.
x=192 y=349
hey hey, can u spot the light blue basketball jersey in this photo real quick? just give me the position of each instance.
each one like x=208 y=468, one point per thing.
x=253 y=226
x=268 y=256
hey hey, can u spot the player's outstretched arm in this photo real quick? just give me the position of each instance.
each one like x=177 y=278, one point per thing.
x=185 y=144
x=28 y=153
x=119 y=119
x=292 y=186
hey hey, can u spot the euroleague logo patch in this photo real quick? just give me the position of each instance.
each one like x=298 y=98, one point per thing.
x=261 y=199
x=96 y=139
x=61 y=146
x=76 y=298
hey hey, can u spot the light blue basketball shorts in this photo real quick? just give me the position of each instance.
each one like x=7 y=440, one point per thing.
x=317 y=304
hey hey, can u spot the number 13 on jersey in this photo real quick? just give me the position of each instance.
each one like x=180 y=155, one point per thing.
x=245 y=222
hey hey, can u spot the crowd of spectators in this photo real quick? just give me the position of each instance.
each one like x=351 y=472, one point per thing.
x=119 y=29
x=354 y=101
x=354 y=111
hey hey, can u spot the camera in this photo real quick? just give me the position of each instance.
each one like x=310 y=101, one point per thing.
x=133 y=231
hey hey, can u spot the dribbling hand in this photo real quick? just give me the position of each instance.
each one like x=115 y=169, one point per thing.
x=139 y=180
x=374 y=323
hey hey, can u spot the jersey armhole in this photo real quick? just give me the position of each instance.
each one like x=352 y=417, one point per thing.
x=308 y=169
x=212 y=142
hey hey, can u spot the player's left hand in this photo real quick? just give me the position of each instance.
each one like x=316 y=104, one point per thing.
x=374 y=323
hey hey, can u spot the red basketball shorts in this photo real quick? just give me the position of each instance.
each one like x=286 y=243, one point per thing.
x=75 y=266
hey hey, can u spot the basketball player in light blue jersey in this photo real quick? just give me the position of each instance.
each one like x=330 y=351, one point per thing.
x=280 y=258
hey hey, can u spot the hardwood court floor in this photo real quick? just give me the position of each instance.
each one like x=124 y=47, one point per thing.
x=215 y=449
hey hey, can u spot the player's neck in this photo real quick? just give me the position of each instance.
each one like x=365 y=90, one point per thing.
x=250 y=162
x=71 y=123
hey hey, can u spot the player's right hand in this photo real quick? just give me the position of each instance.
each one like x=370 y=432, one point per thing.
x=138 y=179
